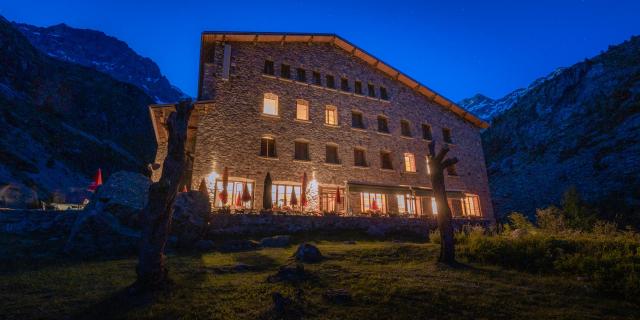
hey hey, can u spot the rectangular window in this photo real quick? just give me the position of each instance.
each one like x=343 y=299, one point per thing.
x=302 y=110
x=405 y=128
x=371 y=90
x=408 y=203
x=451 y=170
x=385 y=160
x=330 y=81
x=426 y=132
x=281 y=195
x=383 y=124
x=434 y=206
x=328 y=200
x=356 y=120
x=234 y=191
x=317 y=79
x=301 y=75
x=332 y=154
x=268 y=67
x=383 y=93
x=270 y=104
x=357 y=86
x=268 y=147
x=456 y=207
x=373 y=202
x=446 y=135
x=359 y=157
x=344 y=84
x=301 y=150
x=409 y=162
x=471 y=205
x=331 y=115
x=285 y=71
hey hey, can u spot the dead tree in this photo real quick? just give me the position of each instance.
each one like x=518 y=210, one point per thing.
x=437 y=165
x=157 y=214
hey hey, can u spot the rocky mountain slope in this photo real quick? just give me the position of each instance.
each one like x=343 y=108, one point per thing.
x=60 y=121
x=579 y=128
x=96 y=50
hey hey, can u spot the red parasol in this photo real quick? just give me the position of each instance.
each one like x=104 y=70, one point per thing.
x=238 y=200
x=338 y=199
x=303 y=193
x=374 y=205
x=294 y=199
x=246 y=196
x=184 y=189
x=97 y=181
x=225 y=180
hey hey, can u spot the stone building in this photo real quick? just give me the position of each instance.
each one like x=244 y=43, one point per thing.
x=290 y=104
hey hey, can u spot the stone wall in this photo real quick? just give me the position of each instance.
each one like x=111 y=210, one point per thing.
x=229 y=133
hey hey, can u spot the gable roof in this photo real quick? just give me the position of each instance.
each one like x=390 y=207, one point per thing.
x=282 y=37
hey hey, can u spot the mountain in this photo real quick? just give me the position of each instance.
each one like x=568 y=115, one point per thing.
x=487 y=108
x=580 y=127
x=104 y=53
x=61 y=121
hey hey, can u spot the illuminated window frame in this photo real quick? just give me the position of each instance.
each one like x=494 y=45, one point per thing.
x=409 y=162
x=270 y=104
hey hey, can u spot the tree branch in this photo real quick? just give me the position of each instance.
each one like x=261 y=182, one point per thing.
x=441 y=154
x=449 y=162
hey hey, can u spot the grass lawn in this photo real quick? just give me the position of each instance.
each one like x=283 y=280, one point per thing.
x=386 y=280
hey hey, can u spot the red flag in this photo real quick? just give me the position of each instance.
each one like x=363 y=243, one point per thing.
x=238 y=200
x=97 y=181
x=294 y=199
x=303 y=193
x=246 y=196
x=374 y=205
x=338 y=199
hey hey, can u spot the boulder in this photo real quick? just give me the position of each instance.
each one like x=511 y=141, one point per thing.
x=238 y=245
x=275 y=242
x=123 y=195
x=307 y=253
x=289 y=273
x=191 y=215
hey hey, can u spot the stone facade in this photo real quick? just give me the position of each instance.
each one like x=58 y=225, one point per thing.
x=231 y=124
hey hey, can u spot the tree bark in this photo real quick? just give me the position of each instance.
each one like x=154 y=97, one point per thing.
x=437 y=165
x=156 y=216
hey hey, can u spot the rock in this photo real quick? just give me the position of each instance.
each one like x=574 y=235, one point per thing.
x=289 y=273
x=519 y=233
x=123 y=195
x=275 y=242
x=204 y=245
x=280 y=305
x=349 y=242
x=191 y=215
x=337 y=296
x=307 y=253
x=238 y=245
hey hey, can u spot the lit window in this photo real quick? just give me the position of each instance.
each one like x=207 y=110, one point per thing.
x=270 y=105
x=328 y=200
x=301 y=150
x=376 y=202
x=385 y=160
x=408 y=203
x=332 y=154
x=434 y=206
x=405 y=128
x=409 y=162
x=268 y=147
x=426 y=132
x=471 y=205
x=331 y=115
x=234 y=191
x=302 y=110
x=446 y=135
x=359 y=157
x=281 y=195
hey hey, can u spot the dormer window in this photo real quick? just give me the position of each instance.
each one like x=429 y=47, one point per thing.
x=357 y=87
x=344 y=84
x=317 y=79
x=268 y=67
x=383 y=93
x=372 y=90
x=330 y=81
x=285 y=71
x=301 y=75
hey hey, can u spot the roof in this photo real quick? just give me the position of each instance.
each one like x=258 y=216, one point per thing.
x=282 y=37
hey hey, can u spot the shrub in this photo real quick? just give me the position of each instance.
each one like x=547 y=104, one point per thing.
x=519 y=221
x=550 y=220
x=434 y=236
x=576 y=213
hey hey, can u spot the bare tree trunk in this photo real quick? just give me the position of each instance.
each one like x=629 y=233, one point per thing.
x=437 y=165
x=156 y=216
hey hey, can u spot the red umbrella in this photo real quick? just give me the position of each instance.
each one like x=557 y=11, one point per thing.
x=184 y=189
x=374 y=205
x=303 y=193
x=225 y=181
x=97 y=181
x=338 y=199
x=294 y=199
x=246 y=196
x=238 y=200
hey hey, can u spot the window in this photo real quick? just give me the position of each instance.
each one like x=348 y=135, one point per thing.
x=301 y=150
x=332 y=154
x=446 y=135
x=356 y=120
x=405 y=128
x=434 y=206
x=268 y=67
x=285 y=71
x=302 y=110
x=359 y=157
x=383 y=93
x=330 y=82
x=471 y=205
x=410 y=204
x=409 y=162
x=376 y=202
x=385 y=160
x=358 y=87
x=383 y=124
x=331 y=115
x=268 y=147
x=317 y=80
x=372 y=90
x=451 y=170
x=234 y=191
x=328 y=200
x=301 y=75
x=456 y=207
x=281 y=195
x=426 y=132
x=427 y=164
x=344 y=84
x=270 y=104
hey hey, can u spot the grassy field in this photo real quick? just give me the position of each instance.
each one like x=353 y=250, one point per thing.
x=387 y=280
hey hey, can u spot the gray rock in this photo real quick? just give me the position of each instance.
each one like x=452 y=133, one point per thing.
x=307 y=253
x=124 y=196
x=238 y=245
x=275 y=242
x=191 y=216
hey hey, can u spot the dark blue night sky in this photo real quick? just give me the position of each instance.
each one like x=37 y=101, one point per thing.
x=458 y=48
